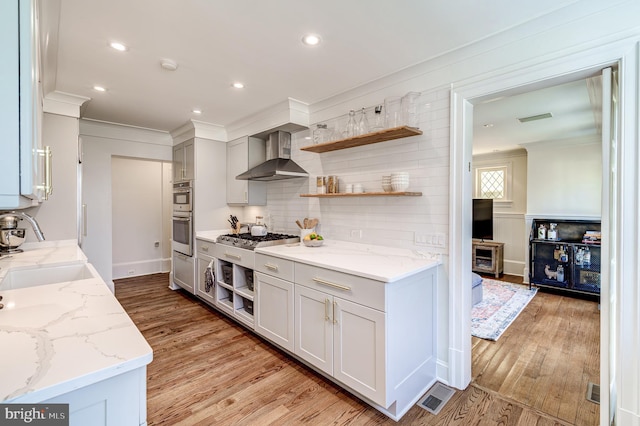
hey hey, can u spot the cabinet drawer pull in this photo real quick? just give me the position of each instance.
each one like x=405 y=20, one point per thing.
x=205 y=248
x=330 y=284
x=233 y=256
x=327 y=303
x=335 y=321
x=271 y=267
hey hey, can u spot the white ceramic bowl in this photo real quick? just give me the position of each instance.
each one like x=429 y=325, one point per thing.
x=399 y=187
x=312 y=243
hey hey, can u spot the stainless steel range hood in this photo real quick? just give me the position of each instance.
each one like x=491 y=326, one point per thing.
x=279 y=164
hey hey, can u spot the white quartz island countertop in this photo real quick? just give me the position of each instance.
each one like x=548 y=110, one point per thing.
x=366 y=260
x=60 y=337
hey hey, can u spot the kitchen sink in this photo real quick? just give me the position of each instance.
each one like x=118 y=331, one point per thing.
x=32 y=277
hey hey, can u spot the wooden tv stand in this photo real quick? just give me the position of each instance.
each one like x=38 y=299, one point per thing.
x=487 y=257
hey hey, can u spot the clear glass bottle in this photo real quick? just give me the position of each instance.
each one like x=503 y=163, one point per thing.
x=351 y=129
x=378 y=121
x=586 y=257
x=560 y=273
x=363 y=123
x=320 y=134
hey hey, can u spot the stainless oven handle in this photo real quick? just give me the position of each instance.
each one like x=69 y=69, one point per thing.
x=182 y=219
x=233 y=256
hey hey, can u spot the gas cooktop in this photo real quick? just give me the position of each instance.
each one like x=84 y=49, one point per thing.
x=251 y=242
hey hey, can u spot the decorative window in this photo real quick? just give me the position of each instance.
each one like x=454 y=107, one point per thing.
x=492 y=182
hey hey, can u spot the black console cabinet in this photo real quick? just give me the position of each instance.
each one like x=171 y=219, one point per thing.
x=571 y=261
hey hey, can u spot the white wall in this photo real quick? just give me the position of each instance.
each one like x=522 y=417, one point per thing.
x=102 y=141
x=141 y=207
x=509 y=217
x=58 y=215
x=565 y=177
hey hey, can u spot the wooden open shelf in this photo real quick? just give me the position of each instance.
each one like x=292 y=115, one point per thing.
x=375 y=137
x=365 y=194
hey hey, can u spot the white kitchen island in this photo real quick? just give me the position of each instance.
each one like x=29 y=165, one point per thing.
x=70 y=342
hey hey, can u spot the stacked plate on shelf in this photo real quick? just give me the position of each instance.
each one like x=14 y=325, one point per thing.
x=399 y=181
x=386 y=183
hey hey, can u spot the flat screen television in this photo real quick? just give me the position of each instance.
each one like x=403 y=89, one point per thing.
x=482 y=225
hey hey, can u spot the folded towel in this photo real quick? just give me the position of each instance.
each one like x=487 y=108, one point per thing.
x=209 y=277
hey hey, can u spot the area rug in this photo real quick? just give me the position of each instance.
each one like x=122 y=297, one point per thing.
x=501 y=304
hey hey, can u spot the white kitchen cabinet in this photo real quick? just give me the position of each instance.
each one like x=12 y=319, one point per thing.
x=274 y=310
x=25 y=180
x=343 y=339
x=183 y=271
x=204 y=258
x=117 y=401
x=184 y=161
x=243 y=154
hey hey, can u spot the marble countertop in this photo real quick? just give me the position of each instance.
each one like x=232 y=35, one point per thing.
x=45 y=253
x=60 y=337
x=366 y=260
x=210 y=235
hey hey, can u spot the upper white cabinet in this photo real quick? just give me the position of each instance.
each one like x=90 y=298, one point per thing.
x=25 y=165
x=184 y=161
x=243 y=154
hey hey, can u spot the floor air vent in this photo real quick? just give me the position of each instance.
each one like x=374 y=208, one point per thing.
x=593 y=393
x=436 y=398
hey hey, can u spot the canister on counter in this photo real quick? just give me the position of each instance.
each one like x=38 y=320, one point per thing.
x=321 y=185
x=332 y=185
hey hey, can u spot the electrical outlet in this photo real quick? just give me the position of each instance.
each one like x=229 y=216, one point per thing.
x=439 y=240
x=356 y=233
x=131 y=272
x=156 y=244
x=422 y=239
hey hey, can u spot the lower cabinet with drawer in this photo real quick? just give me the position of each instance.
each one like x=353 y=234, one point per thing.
x=343 y=339
x=375 y=339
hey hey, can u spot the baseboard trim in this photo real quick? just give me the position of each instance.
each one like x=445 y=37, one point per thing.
x=144 y=267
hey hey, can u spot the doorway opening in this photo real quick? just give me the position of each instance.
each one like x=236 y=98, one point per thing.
x=547 y=143
x=463 y=100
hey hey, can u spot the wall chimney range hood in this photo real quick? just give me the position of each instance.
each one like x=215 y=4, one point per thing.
x=279 y=164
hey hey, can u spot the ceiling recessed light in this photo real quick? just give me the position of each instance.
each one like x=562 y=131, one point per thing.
x=118 y=46
x=238 y=85
x=169 y=64
x=196 y=111
x=99 y=89
x=311 y=39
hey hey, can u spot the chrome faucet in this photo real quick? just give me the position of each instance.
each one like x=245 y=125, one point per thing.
x=31 y=220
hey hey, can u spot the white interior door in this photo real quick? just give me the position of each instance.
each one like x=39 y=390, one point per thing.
x=608 y=294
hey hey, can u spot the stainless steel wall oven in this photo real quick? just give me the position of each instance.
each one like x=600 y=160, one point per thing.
x=182 y=221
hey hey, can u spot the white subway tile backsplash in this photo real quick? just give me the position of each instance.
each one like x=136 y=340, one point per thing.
x=391 y=221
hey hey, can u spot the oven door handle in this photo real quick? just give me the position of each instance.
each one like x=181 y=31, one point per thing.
x=182 y=219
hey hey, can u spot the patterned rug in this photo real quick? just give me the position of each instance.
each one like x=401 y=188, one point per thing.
x=501 y=304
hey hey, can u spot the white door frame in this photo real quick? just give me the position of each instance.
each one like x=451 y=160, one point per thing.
x=571 y=67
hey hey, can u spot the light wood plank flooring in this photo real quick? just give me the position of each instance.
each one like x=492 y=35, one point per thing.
x=546 y=358
x=209 y=370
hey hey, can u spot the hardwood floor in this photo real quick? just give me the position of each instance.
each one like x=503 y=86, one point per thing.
x=546 y=358
x=209 y=370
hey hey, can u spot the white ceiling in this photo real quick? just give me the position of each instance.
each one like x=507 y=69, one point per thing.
x=496 y=126
x=218 y=42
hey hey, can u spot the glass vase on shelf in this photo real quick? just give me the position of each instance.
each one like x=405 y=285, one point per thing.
x=352 y=128
x=378 y=120
x=363 y=123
